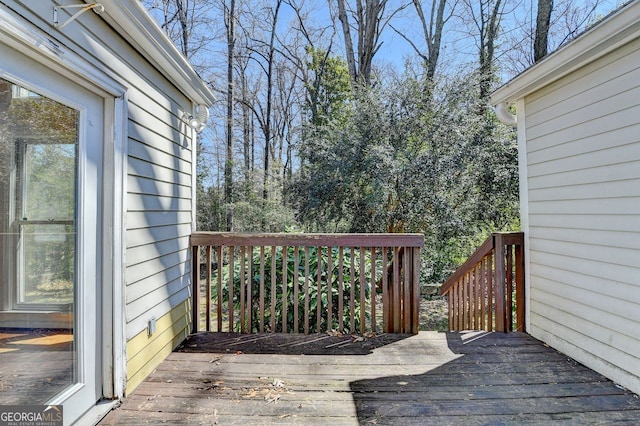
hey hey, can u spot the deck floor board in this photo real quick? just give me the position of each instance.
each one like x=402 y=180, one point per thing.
x=430 y=378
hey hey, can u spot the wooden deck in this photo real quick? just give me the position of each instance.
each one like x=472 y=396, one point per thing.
x=429 y=378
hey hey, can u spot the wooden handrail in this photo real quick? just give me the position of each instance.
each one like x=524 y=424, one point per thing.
x=481 y=252
x=306 y=240
x=482 y=292
x=268 y=281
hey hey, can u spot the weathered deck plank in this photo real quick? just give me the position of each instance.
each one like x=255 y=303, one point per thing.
x=430 y=378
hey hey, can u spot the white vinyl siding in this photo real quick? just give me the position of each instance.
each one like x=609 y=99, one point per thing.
x=583 y=168
x=159 y=171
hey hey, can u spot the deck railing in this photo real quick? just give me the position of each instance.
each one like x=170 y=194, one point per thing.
x=486 y=290
x=306 y=282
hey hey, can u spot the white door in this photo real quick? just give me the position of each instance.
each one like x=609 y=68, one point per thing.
x=51 y=148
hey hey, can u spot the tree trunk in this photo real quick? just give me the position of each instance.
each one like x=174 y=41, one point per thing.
x=182 y=17
x=348 y=42
x=267 y=124
x=246 y=130
x=543 y=20
x=489 y=22
x=230 y=19
x=435 y=39
x=368 y=17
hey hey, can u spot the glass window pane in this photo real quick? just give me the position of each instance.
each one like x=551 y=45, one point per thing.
x=49 y=187
x=48 y=256
x=38 y=284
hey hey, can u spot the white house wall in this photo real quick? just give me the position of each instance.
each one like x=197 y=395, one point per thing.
x=583 y=168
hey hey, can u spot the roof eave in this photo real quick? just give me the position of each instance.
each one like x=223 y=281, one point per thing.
x=615 y=31
x=135 y=24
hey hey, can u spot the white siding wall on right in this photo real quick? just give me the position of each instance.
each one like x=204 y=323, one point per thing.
x=583 y=167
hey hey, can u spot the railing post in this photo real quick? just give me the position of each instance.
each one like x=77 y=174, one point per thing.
x=207 y=292
x=499 y=285
x=520 y=296
x=415 y=311
x=195 y=293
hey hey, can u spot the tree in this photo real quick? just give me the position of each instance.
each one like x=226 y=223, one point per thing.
x=432 y=33
x=556 y=22
x=369 y=20
x=402 y=163
x=540 y=43
x=327 y=87
x=230 y=24
x=486 y=17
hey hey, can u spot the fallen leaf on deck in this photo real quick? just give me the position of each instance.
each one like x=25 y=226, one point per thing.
x=272 y=397
x=251 y=394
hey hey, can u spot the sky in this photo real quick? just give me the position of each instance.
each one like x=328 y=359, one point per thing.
x=458 y=49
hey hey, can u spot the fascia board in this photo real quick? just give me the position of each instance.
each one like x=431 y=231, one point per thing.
x=135 y=24
x=615 y=31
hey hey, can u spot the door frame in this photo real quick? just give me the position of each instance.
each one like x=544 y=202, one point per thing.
x=34 y=43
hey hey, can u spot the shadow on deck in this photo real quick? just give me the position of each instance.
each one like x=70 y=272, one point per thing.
x=429 y=378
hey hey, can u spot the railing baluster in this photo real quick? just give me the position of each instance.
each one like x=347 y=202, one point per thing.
x=207 y=292
x=490 y=292
x=386 y=309
x=250 y=290
x=219 y=289
x=261 y=302
x=520 y=291
x=450 y=304
x=274 y=290
x=373 y=289
x=499 y=285
x=406 y=290
x=396 y=290
x=352 y=295
x=483 y=293
x=415 y=288
x=243 y=260
x=470 y=296
x=329 y=289
x=296 y=292
x=306 y=290
x=478 y=297
x=509 y=291
x=231 y=286
x=341 y=289
x=319 y=291
x=363 y=290
x=465 y=302
x=460 y=304
x=195 y=292
x=285 y=261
